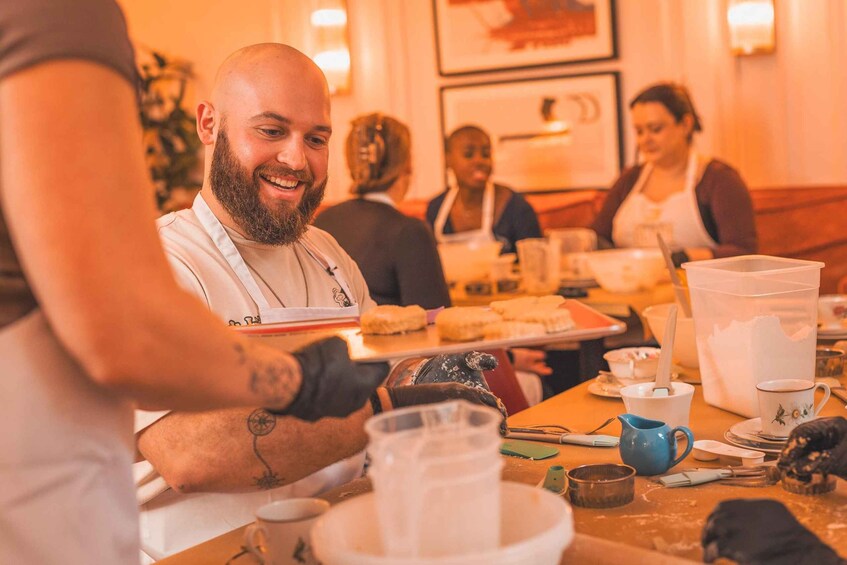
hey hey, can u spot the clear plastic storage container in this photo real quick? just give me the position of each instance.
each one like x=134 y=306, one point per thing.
x=755 y=318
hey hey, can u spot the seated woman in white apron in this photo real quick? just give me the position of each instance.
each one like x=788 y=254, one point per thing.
x=473 y=208
x=701 y=206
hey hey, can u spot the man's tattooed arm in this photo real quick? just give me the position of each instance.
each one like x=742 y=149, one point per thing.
x=273 y=380
x=261 y=423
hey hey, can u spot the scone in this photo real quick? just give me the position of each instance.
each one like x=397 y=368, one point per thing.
x=388 y=319
x=553 y=319
x=510 y=309
x=508 y=330
x=503 y=306
x=464 y=323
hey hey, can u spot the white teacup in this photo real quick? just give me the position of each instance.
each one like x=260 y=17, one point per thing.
x=673 y=409
x=786 y=403
x=284 y=527
x=832 y=311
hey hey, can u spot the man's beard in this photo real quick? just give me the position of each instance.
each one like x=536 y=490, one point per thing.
x=238 y=192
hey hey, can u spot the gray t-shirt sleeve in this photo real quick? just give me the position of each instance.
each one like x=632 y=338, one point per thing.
x=33 y=31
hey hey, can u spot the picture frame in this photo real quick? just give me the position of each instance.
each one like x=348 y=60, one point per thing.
x=559 y=133
x=474 y=36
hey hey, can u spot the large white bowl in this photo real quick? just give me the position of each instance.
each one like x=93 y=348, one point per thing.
x=626 y=271
x=685 y=342
x=468 y=261
x=535 y=527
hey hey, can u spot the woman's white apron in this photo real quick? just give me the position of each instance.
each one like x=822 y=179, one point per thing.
x=677 y=213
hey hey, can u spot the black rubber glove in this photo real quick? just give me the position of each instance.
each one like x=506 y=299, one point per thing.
x=816 y=447
x=465 y=368
x=762 y=532
x=332 y=384
x=403 y=396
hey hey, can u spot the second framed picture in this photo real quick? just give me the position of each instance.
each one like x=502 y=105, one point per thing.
x=550 y=133
x=486 y=35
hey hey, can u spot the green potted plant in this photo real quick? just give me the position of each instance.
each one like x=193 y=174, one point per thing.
x=171 y=146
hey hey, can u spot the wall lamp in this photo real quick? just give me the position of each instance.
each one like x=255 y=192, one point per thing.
x=751 y=27
x=331 y=51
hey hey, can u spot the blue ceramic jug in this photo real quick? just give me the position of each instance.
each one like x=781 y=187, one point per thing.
x=650 y=445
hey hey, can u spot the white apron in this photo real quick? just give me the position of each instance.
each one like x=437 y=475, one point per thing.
x=484 y=234
x=66 y=447
x=268 y=314
x=679 y=211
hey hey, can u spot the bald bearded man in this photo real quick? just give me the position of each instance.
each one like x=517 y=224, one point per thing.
x=246 y=248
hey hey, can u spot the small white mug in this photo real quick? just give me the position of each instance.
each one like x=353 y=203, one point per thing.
x=785 y=404
x=284 y=526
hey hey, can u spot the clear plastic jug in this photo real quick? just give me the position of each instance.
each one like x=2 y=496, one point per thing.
x=539 y=261
x=436 y=474
x=755 y=318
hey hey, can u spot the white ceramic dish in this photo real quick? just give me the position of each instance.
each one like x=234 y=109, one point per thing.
x=604 y=386
x=748 y=433
x=626 y=271
x=832 y=333
x=598 y=389
x=632 y=365
x=673 y=409
x=741 y=442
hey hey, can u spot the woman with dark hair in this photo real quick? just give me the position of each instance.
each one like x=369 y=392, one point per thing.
x=474 y=208
x=701 y=204
x=396 y=253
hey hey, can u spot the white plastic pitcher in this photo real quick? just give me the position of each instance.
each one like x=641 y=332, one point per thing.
x=435 y=471
x=539 y=260
x=755 y=318
x=572 y=244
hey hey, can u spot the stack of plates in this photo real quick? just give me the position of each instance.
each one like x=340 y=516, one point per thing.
x=832 y=333
x=749 y=434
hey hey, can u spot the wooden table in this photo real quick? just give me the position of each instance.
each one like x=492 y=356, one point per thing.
x=668 y=519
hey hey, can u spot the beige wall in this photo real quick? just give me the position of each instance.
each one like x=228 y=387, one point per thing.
x=780 y=119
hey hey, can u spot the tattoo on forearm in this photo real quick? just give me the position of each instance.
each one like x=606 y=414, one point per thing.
x=272 y=379
x=261 y=423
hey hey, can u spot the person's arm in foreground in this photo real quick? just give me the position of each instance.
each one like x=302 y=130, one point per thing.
x=244 y=450
x=79 y=206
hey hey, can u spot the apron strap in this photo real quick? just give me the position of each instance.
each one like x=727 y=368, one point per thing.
x=444 y=212
x=327 y=265
x=224 y=243
x=487 y=224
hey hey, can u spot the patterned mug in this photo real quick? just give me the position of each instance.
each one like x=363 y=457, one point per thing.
x=786 y=403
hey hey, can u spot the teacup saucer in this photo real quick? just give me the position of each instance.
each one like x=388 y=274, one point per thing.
x=608 y=386
x=751 y=430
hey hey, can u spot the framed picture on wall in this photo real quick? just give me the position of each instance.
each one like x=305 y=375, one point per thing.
x=548 y=133
x=474 y=36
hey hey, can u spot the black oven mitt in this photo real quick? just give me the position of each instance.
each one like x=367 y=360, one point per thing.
x=762 y=532
x=816 y=447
